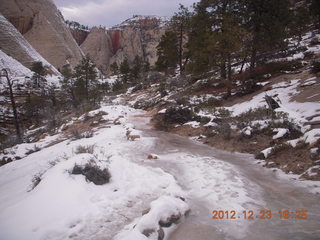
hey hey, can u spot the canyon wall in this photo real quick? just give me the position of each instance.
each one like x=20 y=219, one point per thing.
x=137 y=36
x=43 y=26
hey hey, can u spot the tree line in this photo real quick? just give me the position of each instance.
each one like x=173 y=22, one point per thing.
x=216 y=34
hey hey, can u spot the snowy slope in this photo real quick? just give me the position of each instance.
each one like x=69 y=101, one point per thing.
x=15 y=68
x=65 y=205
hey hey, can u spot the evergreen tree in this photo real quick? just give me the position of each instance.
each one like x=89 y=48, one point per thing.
x=315 y=10
x=168 y=52
x=137 y=68
x=114 y=68
x=266 y=22
x=68 y=84
x=180 y=24
x=125 y=70
x=300 y=18
x=86 y=77
x=39 y=73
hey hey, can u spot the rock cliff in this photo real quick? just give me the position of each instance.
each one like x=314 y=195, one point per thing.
x=98 y=46
x=13 y=44
x=79 y=35
x=138 y=36
x=43 y=26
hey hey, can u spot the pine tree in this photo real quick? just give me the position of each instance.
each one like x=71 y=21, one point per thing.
x=125 y=70
x=137 y=68
x=114 y=68
x=68 y=84
x=39 y=73
x=168 y=52
x=86 y=77
x=180 y=24
x=266 y=22
x=315 y=10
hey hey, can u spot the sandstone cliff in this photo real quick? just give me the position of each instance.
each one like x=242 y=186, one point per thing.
x=138 y=36
x=79 y=35
x=99 y=47
x=15 y=45
x=43 y=26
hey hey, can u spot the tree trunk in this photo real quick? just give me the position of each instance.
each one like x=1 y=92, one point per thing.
x=242 y=64
x=223 y=71
x=180 y=49
x=253 y=58
x=229 y=84
x=14 y=109
x=87 y=87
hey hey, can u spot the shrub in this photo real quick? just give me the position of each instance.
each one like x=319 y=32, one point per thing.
x=261 y=113
x=117 y=86
x=162 y=89
x=137 y=88
x=315 y=67
x=76 y=134
x=33 y=150
x=308 y=54
x=178 y=115
x=314 y=41
x=35 y=181
x=223 y=129
x=279 y=148
x=85 y=149
x=92 y=173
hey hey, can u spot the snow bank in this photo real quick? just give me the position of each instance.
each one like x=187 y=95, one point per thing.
x=161 y=210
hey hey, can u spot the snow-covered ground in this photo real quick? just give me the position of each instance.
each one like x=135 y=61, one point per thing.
x=63 y=205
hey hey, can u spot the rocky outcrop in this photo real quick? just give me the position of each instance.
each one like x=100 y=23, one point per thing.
x=13 y=44
x=79 y=35
x=43 y=26
x=98 y=46
x=138 y=36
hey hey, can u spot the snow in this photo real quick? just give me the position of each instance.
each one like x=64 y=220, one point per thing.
x=65 y=205
x=247 y=130
x=312 y=136
x=193 y=124
x=266 y=152
x=161 y=210
x=163 y=111
x=286 y=91
x=280 y=133
x=14 y=68
x=314 y=150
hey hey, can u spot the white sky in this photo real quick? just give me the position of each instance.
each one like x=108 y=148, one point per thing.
x=111 y=12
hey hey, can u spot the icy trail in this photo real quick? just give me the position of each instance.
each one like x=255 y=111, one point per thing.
x=217 y=180
x=65 y=206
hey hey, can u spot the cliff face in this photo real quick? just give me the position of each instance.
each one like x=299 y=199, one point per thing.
x=138 y=36
x=79 y=35
x=98 y=46
x=43 y=26
x=13 y=44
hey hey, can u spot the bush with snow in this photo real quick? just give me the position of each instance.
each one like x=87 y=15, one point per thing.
x=92 y=173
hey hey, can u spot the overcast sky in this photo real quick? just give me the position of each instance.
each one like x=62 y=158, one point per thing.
x=111 y=12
